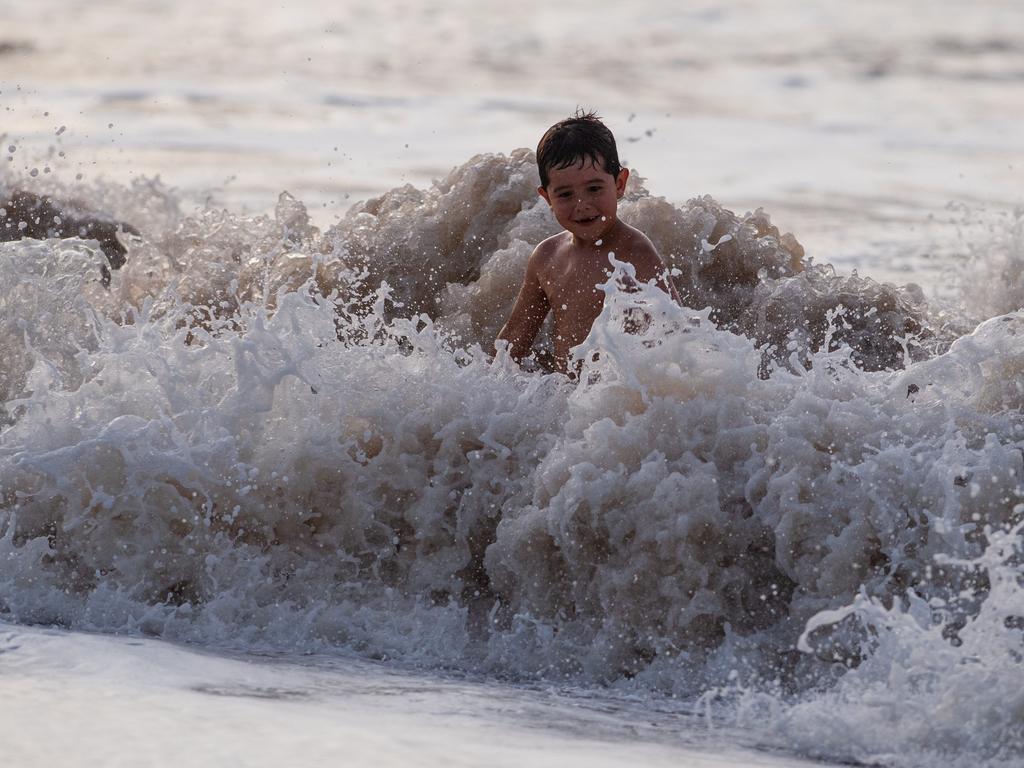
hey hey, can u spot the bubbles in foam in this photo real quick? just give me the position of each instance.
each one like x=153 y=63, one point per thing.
x=47 y=318
x=933 y=687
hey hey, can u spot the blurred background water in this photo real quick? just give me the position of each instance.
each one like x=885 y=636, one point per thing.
x=854 y=125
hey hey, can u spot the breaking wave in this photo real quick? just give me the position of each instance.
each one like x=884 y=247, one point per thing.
x=801 y=487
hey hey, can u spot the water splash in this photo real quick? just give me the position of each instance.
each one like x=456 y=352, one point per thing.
x=270 y=436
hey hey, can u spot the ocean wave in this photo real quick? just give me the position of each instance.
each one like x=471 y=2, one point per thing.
x=271 y=436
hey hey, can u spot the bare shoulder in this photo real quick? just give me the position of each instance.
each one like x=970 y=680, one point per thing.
x=637 y=244
x=635 y=247
x=639 y=251
x=547 y=251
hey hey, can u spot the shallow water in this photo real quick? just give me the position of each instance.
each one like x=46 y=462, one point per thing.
x=115 y=697
x=278 y=430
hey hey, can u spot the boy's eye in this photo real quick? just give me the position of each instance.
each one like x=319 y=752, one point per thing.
x=594 y=188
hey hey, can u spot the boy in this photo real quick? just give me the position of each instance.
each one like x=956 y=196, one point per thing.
x=582 y=181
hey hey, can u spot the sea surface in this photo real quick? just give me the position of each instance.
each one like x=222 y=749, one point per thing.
x=267 y=499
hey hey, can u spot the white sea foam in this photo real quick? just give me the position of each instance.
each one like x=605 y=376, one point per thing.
x=264 y=435
x=990 y=274
x=936 y=687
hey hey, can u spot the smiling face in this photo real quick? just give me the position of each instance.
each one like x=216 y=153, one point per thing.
x=584 y=198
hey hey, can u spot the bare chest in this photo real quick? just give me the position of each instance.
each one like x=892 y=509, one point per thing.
x=571 y=286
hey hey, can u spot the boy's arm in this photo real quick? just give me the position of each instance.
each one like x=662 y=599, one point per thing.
x=528 y=312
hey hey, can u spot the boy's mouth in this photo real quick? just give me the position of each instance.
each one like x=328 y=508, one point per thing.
x=590 y=220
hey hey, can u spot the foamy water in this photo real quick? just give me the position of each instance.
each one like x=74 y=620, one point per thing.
x=267 y=436
x=793 y=504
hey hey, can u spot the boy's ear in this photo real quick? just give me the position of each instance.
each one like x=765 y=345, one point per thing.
x=544 y=193
x=620 y=182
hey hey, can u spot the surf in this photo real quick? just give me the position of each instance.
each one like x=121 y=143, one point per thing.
x=268 y=435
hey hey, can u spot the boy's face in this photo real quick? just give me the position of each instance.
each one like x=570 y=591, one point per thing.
x=584 y=198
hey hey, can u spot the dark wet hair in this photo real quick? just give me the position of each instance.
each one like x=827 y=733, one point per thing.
x=576 y=139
